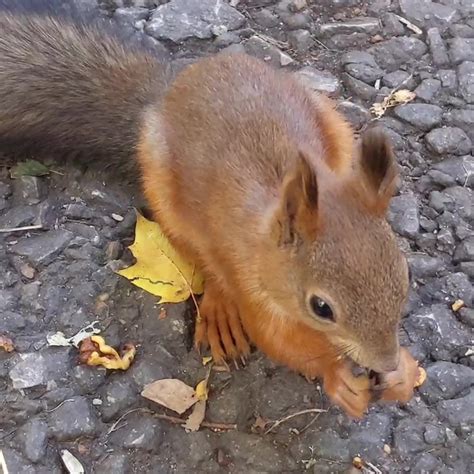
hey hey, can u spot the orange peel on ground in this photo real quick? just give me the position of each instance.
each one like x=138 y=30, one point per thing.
x=94 y=351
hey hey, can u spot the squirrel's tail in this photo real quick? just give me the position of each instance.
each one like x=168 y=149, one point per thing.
x=70 y=88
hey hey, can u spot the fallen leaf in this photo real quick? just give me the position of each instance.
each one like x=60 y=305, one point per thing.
x=59 y=339
x=29 y=168
x=420 y=380
x=402 y=96
x=71 y=463
x=94 y=351
x=6 y=344
x=171 y=393
x=202 y=390
x=457 y=305
x=159 y=269
x=259 y=425
x=193 y=423
x=206 y=360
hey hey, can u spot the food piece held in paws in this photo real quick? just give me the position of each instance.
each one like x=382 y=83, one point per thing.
x=94 y=351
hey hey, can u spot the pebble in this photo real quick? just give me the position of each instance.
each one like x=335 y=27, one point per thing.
x=29 y=371
x=461 y=49
x=266 y=18
x=393 y=53
x=17 y=216
x=422 y=116
x=116 y=397
x=359 y=88
x=72 y=419
x=320 y=81
x=34 y=438
x=357 y=25
x=466 y=81
x=113 y=463
x=427 y=13
x=368 y=437
x=300 y=40
x=459 y=168
x=428 y=89
x=462 y=118
x=179 y=20
x=356 y=114
x=434 y=434
x=465 y=251
x=423 y=266
x=457 y=411
x=256 y=46
x=438 y=50
x=448 y=140
x=445 y=381
x=364 y=72
x=31 y=189
x=403 y=215
x=141 y=432
x=408 y=437
x=398 y=79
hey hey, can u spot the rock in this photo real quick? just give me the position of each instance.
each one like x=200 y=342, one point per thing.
x=426 y=463
x=142 y=432
x=398 y=79
x=466 y=81
x=445 y=380
x=356 y=114
x=73 y=419
x=391 y=54
x=44 y=248
x=448 y=140
x=368 y=437
x=434 y=434
x=320 y=81
x=343 y=42
x=466 y=315
x=423 y=266
x=329 y=445
x=258 y=47
x=147 y=370
x=32 y=189
x=300 y=40
x=408 y=437
x=427 y=13
x=465 y=251
x=29 y=371
x=113 y=463
x=366 y=25
x=16 y=463
x=392 y=25
x=265 y=18
x=34 y=439
x=17 y=216
x=458 y=411
x=461 y=49
x=179 y=20
x=364 y=72
x=438 y=49
x=462 y=118
x=422 y=116
x=358 y=57
x=10 y=321
x=359 y=88
x=130 y=15
x=117 y=396
x=88 y=378
x=5 y=190
x=403 y=215
x=428 y=89
x=78 y=211
x=459 y=168
x=461 y=30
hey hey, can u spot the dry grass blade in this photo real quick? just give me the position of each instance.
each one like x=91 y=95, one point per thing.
x=289 y=417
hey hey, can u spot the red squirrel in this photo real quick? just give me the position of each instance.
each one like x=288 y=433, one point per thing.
x=252 y=176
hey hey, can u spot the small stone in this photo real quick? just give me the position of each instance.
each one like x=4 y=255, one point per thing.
x=320 y=81
x=448 y=140
x=117 y=396
x=461 y=49
x=428 y=89
x=368 y=437
x=356 y=114
x=466 y=315
x=266 y=18
x=358 y=57
x=285 y=59
x=458 y=411
x=73 y=419
x=179 y=20
x=32 y=189
x=445 y=380
x=465 y=251
x=27 y=271
x=403 y=215
x=88 y=378
x=391 y=54
x=329 y=445
x=117 y=217
x=113 y=250
x=17 y=216
x=422 y=116
x=427 y=13
x=29 y=371
x=433 y=435
x=258 y=47
x=346 y=41
x=296 y=21
x=357 y=25
x=448 y=78
x=113 y=463
x=426 y=463
x=44 y=248
x=364 y=72
x=466 y=81
x=463 y=31
x=78 y=211
x=463 y=119
x=34 y=438
x=359 y=88
x=143 y=432
x=300 y=40
x=438 y=49
x=392 y=25
x=408 y=437
x=10 y=321
x=423 y=266
x=398 y=79
x=130 y=15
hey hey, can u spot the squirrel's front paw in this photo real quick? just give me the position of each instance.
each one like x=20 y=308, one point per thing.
x=399 y=384
x=350 y=392
x=219 y=326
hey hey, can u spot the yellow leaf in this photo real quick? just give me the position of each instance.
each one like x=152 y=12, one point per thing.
x=159 y=269
x=201 y=390
x=206 y=360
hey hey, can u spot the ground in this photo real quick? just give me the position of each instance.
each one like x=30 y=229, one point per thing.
x=60 y=278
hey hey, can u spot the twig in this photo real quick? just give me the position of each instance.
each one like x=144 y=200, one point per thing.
x=20 y=229
x=298 y=413
x=60 y=405
x=3 y=463
x=175 y=420
x=311 y=423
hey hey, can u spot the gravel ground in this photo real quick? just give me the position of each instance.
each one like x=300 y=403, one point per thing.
x=60 y=278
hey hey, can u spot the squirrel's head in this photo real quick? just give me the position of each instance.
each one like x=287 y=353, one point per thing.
x=344 y=272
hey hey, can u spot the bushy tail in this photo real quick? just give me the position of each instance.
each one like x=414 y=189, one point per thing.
x=66 y=87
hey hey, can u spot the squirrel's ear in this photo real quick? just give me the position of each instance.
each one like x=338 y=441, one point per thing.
x=379 y=168
x=299 y=203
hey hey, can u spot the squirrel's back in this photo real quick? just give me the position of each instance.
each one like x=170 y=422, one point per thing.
x=69 y=88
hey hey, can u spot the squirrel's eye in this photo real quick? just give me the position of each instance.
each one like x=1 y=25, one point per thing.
x=321 y=308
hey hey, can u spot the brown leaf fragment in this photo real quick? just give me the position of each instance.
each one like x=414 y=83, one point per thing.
x=6 y=344
x=193 y=423
x=171 y=393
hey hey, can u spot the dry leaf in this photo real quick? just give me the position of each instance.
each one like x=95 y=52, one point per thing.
x=159 y=269
x=59 y=339
x=196 y=417
x=402 y=96
x=457 y=305
x=71 y=463
x=202 y=390
x=260 y=424
x=94 y=351
x=171 y=393
x=420 y=380
x=6 y=344
x=206 y=360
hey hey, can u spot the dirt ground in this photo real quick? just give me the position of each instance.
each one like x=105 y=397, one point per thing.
x=61 y=278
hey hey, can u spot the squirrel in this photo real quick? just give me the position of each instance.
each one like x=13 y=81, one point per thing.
x=252 y=176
